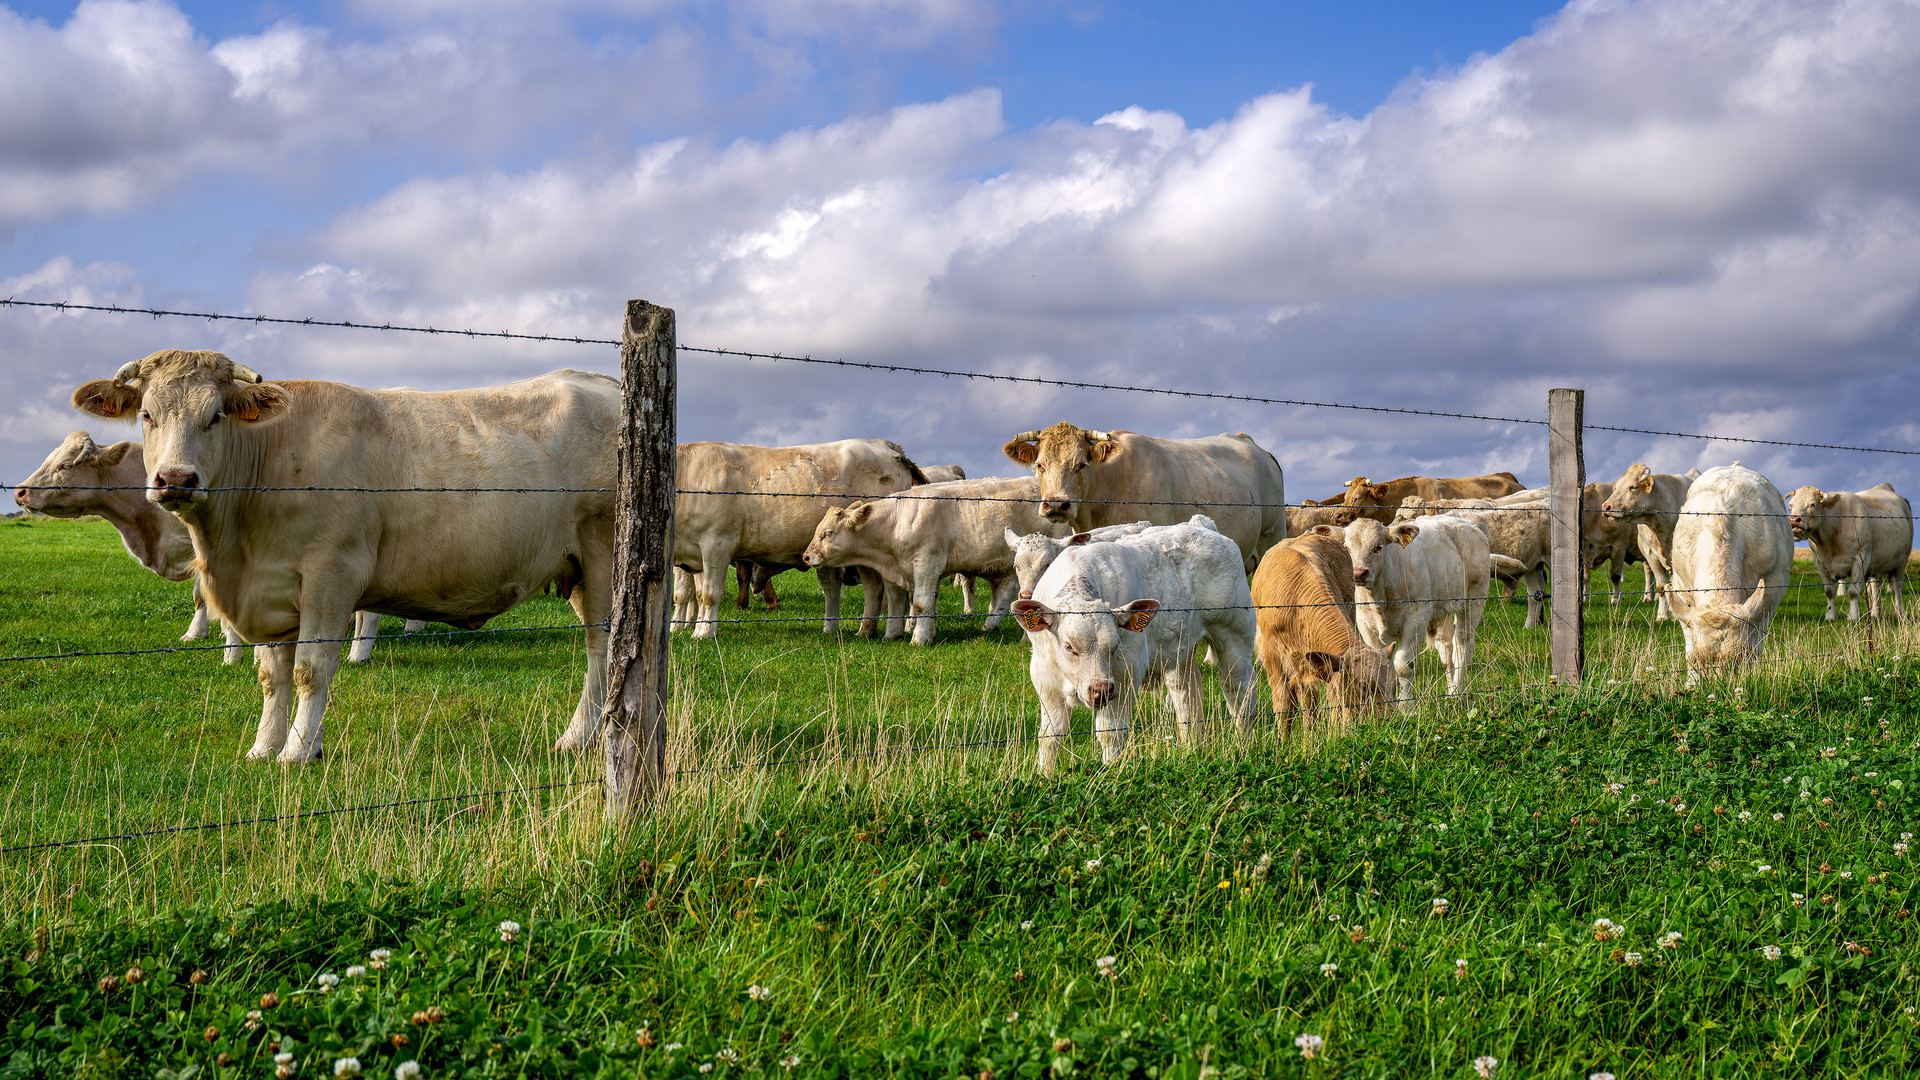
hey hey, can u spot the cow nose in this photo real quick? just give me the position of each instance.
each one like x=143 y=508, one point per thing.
x=1026 y=594
x=1055 y=508
x=1359 y=576
x=811 y=559
x=174 y=476
x=20 y=496
x=1099 y=693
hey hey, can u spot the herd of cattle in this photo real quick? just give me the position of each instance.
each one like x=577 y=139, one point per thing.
x=294 y=506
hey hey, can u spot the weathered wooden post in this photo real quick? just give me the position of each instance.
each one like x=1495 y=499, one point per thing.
x=1567 y=479
x=636 y=716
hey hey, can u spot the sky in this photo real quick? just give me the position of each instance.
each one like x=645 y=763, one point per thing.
x=1706 y=213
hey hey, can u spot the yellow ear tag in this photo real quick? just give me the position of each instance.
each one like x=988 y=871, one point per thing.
x=1137 y=622
x=1033 y=621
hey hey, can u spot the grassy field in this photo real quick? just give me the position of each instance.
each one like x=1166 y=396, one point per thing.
x=946 y=913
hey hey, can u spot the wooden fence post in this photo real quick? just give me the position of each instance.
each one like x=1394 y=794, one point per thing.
x=637 y=688
x=1567 y=477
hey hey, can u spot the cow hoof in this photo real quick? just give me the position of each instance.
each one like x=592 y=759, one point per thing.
x=261 y=753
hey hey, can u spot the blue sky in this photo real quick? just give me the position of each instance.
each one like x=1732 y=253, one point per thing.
x=1706 y=214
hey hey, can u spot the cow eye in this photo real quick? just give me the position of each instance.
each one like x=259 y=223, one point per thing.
x=1377 y=547
x=146 y=417
x=1071 y=651
x=215 y=420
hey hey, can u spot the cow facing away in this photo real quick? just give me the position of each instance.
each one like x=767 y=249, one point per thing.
x=1651 y=502
x=81 y=477
x=764 y=505
x=1303 y=603
x=1106 y=616
x=1732 y=553
x=915 y=538
x=1856 y=537
x=1095 y=478
x=1419 y=583
x=1366 y=499
x=293 y=565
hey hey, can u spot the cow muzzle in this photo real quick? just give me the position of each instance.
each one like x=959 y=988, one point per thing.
x=811 y=558
x=175 y=484
x=1798 y=528
x=1056 y=509
x=1026 y=594
x=1099 y=694
x=21 y=495
x=1361 y=577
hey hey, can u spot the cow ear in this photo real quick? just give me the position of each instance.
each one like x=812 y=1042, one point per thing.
x=1034 y=616
x=1022 y=450
x=858 y=513
x=1324 y=530
x=1078 y=539
x=111 y=456
x=1324 y=665
x=1404 y=533
x=1012 y=538
x=1137 y=615
x=1830 y=499
x=107 y=398
x=1104 y=450
x=1645 y=483
x=256 y=403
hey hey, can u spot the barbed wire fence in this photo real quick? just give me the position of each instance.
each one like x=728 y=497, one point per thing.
x=1565 y=505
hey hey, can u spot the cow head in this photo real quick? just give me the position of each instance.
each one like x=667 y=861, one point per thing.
x=60 y=486
x=1367 y=541
x=1089 y=640
x=1032 y=554
x=1361 y=495
x=189 y=405
x=1806 y=510
x=1632 y=494
x=1718 y=632
x=832 y=538
x=1360 y=682
x=1060 y=456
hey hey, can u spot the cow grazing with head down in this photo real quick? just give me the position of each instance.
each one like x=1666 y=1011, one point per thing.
x=1366 y=499
x=293 y=565
x=1858 y=537
x=1107 y=616
x=1094 y=478
x=1307 y=639
x=1732 y=553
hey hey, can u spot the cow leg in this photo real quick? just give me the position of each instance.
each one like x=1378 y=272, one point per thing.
x=1465 y=623
x=414 y=626
x=1000 y=593
x=1186 y=692
x=593 y=601
x=276 y=680
x=322 y=618
x=1859 y=582
x=715 y=556
x=1828 y=588
x=964 y=583
x=897 y=600
x=366 y=627
x=925 y=599
x=743 y=579
x=1657 y=574
x=197 y=629
x=1237 y=680
x=235 y=647
x=763 y=584
x=1056 y=719
x=683 y=598
x=831 y=583
x=873 y=595
x=1405 y=651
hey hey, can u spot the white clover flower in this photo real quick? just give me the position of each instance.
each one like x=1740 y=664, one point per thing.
x=1906 y=836
x=1615 y=789
x=283 y=1058
x=1770 y=952
x=1607 y=930
x=1329 y=970
x=671 y=1047
x=759 y=993
x=789 y=1061
x=1778 y=817
x=1460 y=968
x=1633 y=959
x=729 y=1055
x=1440 y=905
x=1844 y=874
x=1013 y=1016
x=1866 y=701
x=254 y=1016
x=1310 y=1045
x=1806 y=794
x=378 y=959
x=1442 y=826
x=706 y=1066
x=1092 y=865
x=355 y=971
x=1633 y=798
x=1899 y=847
x=1485 y=1066
x=1671 y=939
x=407 y=1070
x=327 y=982
x=1799 y=899
x=1764 y=869
x=1026 y=924
x=509 y=930
x=1679 y=808
x=1108 y=967
x=1827 y=751
x=1746 y=815
x=1600 y=1076
x=1871 y=775
x=346 y=1068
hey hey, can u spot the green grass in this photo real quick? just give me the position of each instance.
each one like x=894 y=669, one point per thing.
x=882 y=899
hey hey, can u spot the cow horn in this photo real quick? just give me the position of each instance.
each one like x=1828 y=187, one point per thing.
x=1025 y=436
x=128 y=370
x=244 y=373
x=1101 y=436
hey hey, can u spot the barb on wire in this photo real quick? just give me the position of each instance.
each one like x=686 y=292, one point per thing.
x=416 y=635
x=1753 y=442
x=302 y=816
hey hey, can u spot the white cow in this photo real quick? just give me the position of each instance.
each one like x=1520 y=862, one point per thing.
x=1519 y=535
x=1034 y=552
x=1732 y=552
x=916 y=537
x=1107 y=615
x=1415 y=583
x=1858 y=537
x=1650 y=501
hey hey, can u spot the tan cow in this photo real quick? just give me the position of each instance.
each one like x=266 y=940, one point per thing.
x=1651 y=501
x=81 y=478
x=788 y=490
x=1519 y=536
x=1419 y=583
x=1095 y=478
x=1606 y=540
x=1732 y=553
x=1301 y=519
x=1365 y=499
x=915 y=538
x=293 y=565
x=1857 y=537
x=1306 y=637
